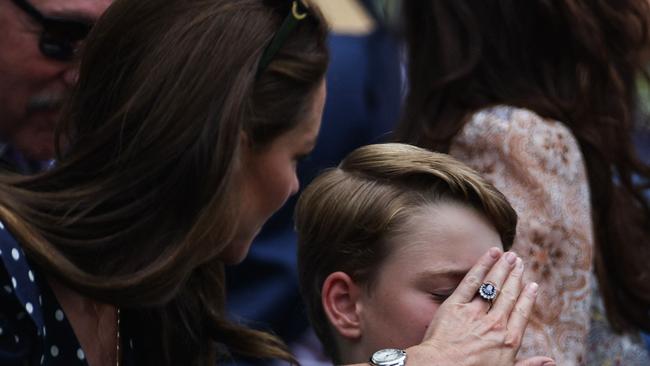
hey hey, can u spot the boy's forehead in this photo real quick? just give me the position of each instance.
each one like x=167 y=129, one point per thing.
x=445 y=236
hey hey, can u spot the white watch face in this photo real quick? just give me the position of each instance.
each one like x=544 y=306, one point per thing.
x=388 y=355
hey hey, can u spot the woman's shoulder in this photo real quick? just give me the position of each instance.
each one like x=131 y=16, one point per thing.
x=521 y=135
x=505 y=119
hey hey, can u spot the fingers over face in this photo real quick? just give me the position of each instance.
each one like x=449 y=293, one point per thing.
x=521 y=313
x=469 y=285
x=509 y=293
x=501 y=270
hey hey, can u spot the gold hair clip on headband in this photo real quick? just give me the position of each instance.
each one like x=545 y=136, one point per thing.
x=295 y=13
x=298 y=13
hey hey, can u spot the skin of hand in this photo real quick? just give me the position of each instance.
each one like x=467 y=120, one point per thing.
x=466 y=331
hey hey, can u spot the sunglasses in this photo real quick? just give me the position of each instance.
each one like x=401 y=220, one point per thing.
x=60 y=36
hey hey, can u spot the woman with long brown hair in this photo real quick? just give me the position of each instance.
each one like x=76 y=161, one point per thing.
x=183 y=138
x=538 y=96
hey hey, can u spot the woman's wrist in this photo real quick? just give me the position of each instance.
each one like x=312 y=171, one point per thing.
x=424 y=354
x=428 y=354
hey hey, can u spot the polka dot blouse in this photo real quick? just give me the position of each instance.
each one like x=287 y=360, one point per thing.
x=34 y=329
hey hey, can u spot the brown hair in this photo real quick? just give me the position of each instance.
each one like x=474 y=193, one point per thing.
x=573 y=61
x=346 y=215
x=144 y=196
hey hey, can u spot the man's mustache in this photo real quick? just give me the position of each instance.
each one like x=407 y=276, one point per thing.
x=45 y=102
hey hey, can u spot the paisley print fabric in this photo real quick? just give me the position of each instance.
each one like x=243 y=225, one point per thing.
x=538 y=165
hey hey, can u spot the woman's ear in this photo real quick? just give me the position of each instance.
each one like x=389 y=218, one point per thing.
x=340 y=296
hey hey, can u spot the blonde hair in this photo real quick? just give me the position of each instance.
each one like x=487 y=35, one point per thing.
x=345 y=216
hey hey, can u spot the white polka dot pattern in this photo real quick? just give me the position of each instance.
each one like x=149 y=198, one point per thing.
x=22 y=285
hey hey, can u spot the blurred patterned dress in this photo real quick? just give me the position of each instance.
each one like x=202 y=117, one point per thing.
x=538 y=165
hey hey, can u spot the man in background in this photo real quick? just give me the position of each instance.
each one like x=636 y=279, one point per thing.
x=39 y=42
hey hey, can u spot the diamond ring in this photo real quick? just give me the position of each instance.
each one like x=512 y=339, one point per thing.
x=488 y=291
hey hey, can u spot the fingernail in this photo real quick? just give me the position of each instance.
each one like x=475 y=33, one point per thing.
x=520 y=264
x=511 y=257
x=495 y=252
x=532 y=289
x=549 y=363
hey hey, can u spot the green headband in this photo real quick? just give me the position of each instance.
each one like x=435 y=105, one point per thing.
x=298 y=12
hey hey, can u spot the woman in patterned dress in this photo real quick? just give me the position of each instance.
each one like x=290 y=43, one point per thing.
x=538 y=96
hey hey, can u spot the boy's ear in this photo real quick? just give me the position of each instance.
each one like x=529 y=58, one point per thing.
x=341 y=301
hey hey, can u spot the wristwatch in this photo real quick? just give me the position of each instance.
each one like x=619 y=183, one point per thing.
x=388 y=357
